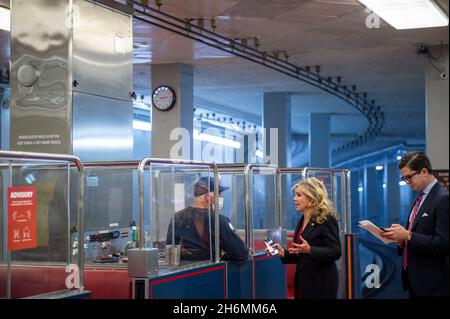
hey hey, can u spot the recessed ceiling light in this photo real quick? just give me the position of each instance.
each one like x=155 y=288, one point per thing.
x=5 y=19
x=408 y=14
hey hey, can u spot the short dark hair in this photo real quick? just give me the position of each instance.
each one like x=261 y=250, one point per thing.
x=415 y=161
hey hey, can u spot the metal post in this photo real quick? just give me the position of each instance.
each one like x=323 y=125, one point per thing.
x=279 y=208
x=69 y=246
x=81 y=225
x=141 y=200
x=9 y=276
x=248 y=208
x=234 y=217
x=349 y=206
x=343 y=201
x=216 y=218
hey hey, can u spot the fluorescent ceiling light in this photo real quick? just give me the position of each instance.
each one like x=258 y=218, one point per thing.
x=402 y=183
x=216 y=140
x=142 y=126
x=408 y=14
x=379 y=167
x=5 y=19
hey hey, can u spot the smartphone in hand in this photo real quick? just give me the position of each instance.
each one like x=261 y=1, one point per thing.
x=273 y=251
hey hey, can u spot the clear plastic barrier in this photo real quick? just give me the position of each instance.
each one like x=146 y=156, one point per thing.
x=36 y=223
x=234 y=200
x=337 y=184
x=182 y=224
x=110 y=213
x=265 y=218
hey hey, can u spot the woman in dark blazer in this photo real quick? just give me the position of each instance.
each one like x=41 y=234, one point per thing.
x=316 y=245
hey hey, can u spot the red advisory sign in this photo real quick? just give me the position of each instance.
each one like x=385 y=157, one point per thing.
x=22 y=218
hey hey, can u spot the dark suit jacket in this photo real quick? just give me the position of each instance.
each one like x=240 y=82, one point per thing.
x=316 y=275
x=428 y=249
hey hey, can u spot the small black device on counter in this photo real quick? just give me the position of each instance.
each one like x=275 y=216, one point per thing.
x=104 y=236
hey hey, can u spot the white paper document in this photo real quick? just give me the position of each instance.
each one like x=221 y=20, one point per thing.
x=374 y=230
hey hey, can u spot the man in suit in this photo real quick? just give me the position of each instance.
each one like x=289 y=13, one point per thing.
x=423 y=243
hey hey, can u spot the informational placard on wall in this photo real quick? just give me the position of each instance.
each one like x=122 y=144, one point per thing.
x=442 y=176
x=22 y=218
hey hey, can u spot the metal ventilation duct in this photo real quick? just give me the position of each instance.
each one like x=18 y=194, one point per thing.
x=71 y=78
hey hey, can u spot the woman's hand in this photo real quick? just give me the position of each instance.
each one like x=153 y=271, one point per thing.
x=280 y=250
x=302 y=248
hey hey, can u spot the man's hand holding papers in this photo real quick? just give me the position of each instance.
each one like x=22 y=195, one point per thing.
x=375 y=230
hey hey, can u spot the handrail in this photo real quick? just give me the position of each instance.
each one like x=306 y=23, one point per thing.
x=80 y=221
x=148 y=161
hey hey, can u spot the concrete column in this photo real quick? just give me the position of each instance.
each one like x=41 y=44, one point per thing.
x=370 y=194
x=437 y=108
x=277 y=115
x=172 y=131
x=392 y=194
x=319 y=140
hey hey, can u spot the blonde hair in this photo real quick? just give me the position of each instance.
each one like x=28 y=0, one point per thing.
x=321 y=206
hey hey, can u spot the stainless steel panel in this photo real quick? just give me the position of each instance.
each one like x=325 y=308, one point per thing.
x=40 y=113
x=4 y=118
x=109 y=200
x=102 y=51
x=142 y=263
x=102 y=128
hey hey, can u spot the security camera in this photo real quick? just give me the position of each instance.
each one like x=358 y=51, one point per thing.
x=443 y=75
x=422 y=50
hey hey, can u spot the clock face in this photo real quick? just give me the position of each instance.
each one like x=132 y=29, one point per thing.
x=163 y=98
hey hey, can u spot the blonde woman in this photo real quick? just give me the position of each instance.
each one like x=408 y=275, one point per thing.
x=316 y=245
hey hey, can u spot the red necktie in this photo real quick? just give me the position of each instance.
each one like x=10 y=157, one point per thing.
x=410 y=225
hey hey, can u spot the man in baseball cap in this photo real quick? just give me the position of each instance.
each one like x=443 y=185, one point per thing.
x=192 y=227
x=206 y=185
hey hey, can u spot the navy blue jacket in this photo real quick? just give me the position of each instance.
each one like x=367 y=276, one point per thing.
x=428 y=249
x=196 y=246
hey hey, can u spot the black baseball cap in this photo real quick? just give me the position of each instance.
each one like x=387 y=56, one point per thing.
x=205 y=185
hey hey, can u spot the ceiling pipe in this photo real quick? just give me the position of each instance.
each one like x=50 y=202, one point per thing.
x=360 y=102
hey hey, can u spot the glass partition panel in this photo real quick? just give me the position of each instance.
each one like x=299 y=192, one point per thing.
x=35 y=228
x=181 y=214
x=264 y=214
x=336 y=183
x=234 y=201
x=290 y=216
x=110 y=221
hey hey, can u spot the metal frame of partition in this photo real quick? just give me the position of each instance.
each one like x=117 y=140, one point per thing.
x=147 y=162
x=80 y=218
x=246 y=170
x=249 y=198
x=345 y=191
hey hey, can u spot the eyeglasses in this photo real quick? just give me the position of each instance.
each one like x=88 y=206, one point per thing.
x=409 y=177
